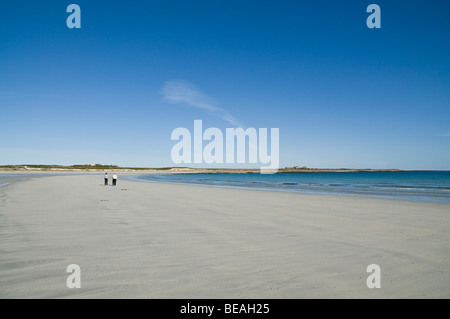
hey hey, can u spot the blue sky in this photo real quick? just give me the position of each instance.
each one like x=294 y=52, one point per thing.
x=341 y=94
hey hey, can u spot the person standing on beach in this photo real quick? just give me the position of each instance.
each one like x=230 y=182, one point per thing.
x=114 y=179
x=106 y=179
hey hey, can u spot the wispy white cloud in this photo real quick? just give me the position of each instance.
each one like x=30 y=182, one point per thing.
x=181 y=91
x=444 y=134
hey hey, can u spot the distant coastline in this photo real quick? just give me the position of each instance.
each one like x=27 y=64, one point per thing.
x=186 y=170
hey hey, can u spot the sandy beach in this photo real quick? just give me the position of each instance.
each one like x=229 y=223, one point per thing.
x=155 y=240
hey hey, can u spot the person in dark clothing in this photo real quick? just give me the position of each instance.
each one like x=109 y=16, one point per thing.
x=106 y=179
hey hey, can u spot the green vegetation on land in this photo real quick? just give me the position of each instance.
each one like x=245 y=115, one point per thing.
x=96 y=167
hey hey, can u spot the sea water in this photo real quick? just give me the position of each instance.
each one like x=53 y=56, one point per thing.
x=6 y=179
x=428 y=186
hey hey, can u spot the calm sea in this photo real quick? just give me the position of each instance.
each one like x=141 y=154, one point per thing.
x=429 y=186
x=6 y=179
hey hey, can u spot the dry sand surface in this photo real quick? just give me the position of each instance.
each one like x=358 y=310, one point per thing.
x=154 y=240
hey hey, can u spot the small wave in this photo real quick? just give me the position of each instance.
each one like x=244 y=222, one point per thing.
x=404 y=188
x=412 y=186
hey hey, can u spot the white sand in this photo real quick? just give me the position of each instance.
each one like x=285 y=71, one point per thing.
x=153 y=240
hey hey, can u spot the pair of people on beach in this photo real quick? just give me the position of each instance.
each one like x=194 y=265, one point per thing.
x=114 y=179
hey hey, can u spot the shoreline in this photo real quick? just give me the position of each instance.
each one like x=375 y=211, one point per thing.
x=300 y=192
x=327 y=185
x=155 y=240
x=188 y=170
x=134 y=176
